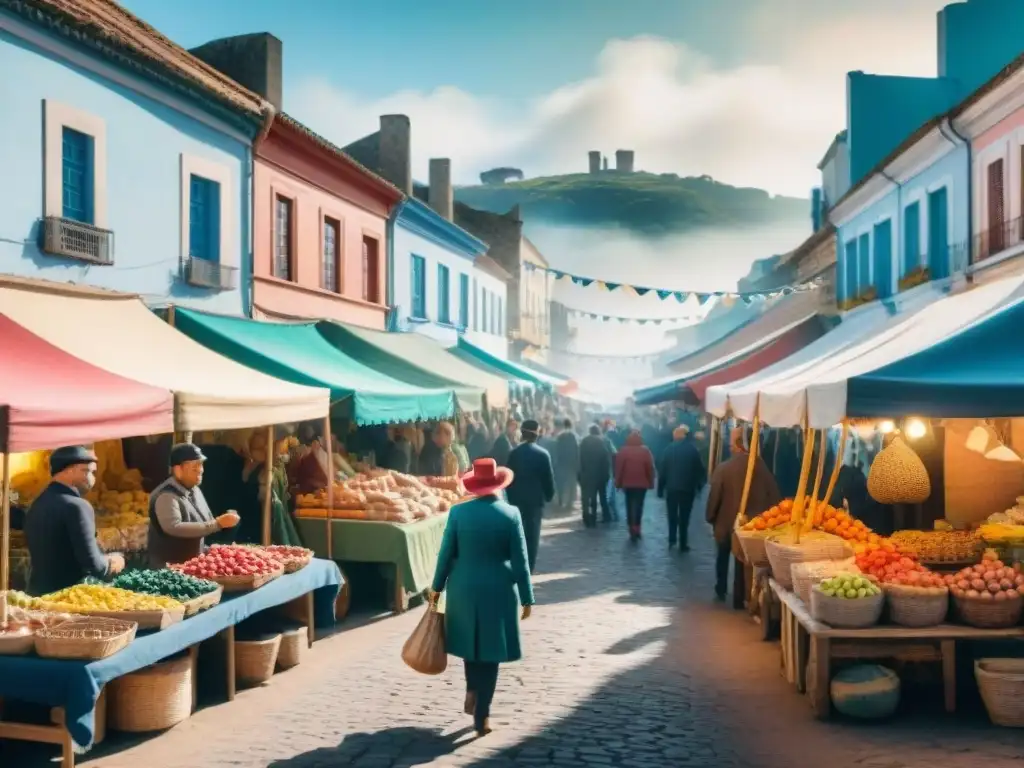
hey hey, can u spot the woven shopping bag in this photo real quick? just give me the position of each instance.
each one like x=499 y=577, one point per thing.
x=425 y=650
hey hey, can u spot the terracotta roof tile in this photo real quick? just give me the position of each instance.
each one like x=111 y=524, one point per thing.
x=108 y=24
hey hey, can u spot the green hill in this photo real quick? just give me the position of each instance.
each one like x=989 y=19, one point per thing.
x=645 y=203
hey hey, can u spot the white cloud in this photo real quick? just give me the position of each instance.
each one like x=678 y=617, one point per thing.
x=762 y=124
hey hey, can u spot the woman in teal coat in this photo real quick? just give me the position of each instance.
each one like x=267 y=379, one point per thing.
x=483 y=567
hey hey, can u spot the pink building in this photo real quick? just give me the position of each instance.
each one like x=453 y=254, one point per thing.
x=319 y=230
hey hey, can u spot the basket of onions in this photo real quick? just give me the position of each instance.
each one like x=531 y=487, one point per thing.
x=989 y=595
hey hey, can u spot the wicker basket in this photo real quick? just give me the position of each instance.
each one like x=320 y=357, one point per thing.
x=16 y=643
x=806 y=575
x=988 y=614
x=152 y=699
x=294 y=643
x=846 y=614
x=297 y=563
x=88 y=639
x=782 y=556
x=917 y=606
x=255 y=660
x=1001 y=682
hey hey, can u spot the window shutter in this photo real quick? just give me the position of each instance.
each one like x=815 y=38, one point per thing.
x=911 y=237
x=996 y=208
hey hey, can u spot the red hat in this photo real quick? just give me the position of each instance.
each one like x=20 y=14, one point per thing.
x=486 y=477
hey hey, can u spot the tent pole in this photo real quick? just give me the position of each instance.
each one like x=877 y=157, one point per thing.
x=5 y=528
x=330 y=483
x=755 y=444
x=268 y=480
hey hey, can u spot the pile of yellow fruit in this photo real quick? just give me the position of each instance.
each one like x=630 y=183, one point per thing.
x=1002 y=534
x=940 y=546
x=100 y=598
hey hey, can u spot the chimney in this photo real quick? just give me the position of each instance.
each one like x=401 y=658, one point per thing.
x=395 y=151
x=252 y=60
x=604 y=164
x=595 y=161
x=440 y=196
x=624 y=160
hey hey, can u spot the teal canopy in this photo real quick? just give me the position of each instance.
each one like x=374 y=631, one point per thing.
x=297 y=352
x=518 y=374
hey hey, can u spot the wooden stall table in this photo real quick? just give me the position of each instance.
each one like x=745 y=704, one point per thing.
x=808 y=648
x=411 y=549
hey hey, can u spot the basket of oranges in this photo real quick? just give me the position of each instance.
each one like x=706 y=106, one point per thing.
x=753 y=533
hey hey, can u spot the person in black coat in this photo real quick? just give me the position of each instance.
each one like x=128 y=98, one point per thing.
x=533 y=485
x=596 y=457
x=505 y=443
x=681 y=475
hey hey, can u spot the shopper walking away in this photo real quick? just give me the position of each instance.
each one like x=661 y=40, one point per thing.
x=567 y=465
x=595 y=471
x=505 y=442
x=533 y=485
x=483 y=568
x=610 y=437
x=634 y=474
x=681 y=475
x=724 y=499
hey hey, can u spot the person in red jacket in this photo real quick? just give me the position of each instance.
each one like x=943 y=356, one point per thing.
x=634 y=474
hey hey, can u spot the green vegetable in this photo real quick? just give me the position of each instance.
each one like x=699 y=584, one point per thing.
x=165 y=582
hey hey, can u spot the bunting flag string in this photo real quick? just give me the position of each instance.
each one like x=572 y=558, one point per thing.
x=703 y=297
x=603 y=357
x=624 y=319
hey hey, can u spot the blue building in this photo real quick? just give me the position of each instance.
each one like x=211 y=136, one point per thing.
x=126 y=161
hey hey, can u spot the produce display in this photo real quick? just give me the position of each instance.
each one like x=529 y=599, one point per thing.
x=290 y=558
x=93 y=598
x=990 y=579
x=380 y=494
x=940 y=546
x=1014 y=515
x=1002 y=534
x=772 y=518
x=229 y=560
x=165 y=582
x=849 y=586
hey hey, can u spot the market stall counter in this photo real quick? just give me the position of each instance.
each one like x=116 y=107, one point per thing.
x=411 y=548
x=809 y=646
x=73 y=687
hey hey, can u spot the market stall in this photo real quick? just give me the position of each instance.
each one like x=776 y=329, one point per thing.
x=518 y=375
x=848 y=593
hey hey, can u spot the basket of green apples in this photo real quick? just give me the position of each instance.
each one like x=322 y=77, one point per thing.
x=848 y=601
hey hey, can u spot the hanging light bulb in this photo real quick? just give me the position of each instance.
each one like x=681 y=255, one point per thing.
x=886 y=427
x=915 y=429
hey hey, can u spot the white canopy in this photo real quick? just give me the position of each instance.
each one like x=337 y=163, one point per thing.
x=118 y=333
x=818 y=390
x=740 y=397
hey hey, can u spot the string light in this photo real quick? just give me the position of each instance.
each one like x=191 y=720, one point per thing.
x=915 y=429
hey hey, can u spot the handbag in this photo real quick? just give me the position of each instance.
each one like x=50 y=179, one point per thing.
x=425 y=650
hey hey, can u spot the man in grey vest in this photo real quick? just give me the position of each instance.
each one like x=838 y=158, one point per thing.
x=179 y=517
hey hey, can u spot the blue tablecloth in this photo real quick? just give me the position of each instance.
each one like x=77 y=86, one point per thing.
x=75 y=685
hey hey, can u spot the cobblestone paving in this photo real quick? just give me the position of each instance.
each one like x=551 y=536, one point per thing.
x=629 y=663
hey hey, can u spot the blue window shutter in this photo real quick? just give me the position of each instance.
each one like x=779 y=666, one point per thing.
x=864 y=262
x=444 y=294
x=883 y=259
x=419 y=287
x=464 y=301
x=938 y=234
x=484 y=317
x=850 y=288
x=77 y=174
x=911 y=238
x=204 y=219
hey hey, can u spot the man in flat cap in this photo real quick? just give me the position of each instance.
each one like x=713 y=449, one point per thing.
x=60 y=527
x=179 y=517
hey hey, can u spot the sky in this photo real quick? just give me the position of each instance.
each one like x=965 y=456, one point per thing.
x=748 y=91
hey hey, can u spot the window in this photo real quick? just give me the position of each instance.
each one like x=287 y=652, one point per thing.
x=850 y=269
x=864 y=262
x=938 y=233
x=996 y=208
x=883 y=258
x=911 y=237
x=476 y=307
x=330 y=275
x=444 y=295
x=463 y=301
x=494 y=315
x=77 y=176
x=203 y=218
x=483 y=311
x=418 y=279
x=500 y=330
x=283 y=238
x=371 y=270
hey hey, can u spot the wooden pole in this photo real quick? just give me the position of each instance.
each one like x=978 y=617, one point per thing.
x=755 y=444
x=5 y=526
x=712 y=445
x=801 y=489
x=268 y=481
x=839 y=461
x=812 y=508
x=330 y=483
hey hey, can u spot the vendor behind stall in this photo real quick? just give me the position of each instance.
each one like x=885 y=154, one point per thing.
x=60 y=528
x=179 y=517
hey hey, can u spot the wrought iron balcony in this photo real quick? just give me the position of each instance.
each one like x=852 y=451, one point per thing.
x=204 y=273
x=998 y=239
x=77 y=240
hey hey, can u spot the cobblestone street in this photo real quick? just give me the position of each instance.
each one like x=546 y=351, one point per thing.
x=628 y=662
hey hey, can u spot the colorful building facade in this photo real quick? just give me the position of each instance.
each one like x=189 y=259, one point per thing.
x=129 y=160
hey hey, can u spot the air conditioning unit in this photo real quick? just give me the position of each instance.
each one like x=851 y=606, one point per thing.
x=77 y=240
x=204 y=273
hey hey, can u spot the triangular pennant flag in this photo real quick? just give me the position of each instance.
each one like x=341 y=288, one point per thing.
x=612 y=286
x=657 y=322
x=681 y=297
x=584 y=281
x=703 y=298
x=641 y=291
x=606 y=318
x=664 y=294
x=558 y=275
